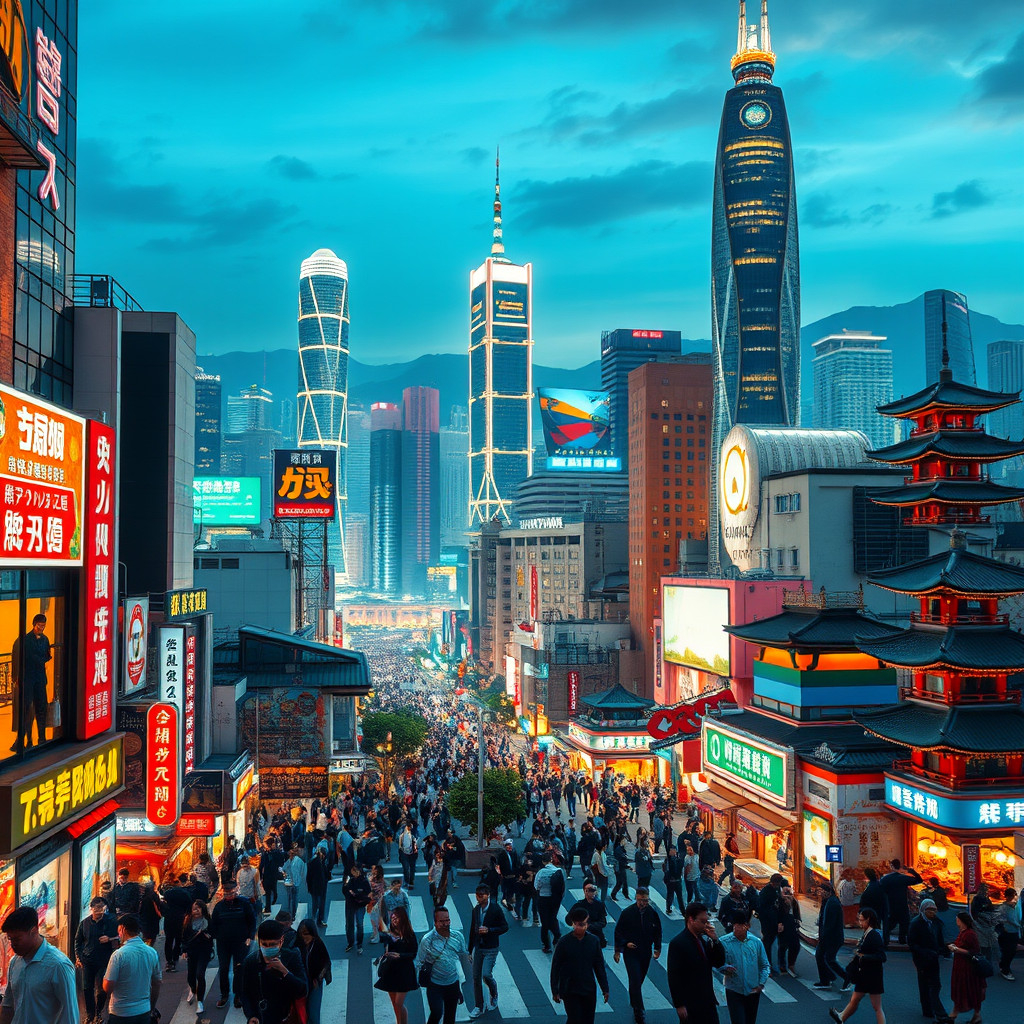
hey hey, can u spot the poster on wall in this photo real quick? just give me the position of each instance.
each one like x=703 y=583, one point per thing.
x=97 y=866
x=45 y=892
x=692 y=620
x=817 y=836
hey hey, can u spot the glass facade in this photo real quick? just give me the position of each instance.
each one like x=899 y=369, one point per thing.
x=958 y=336
x=386 y=498
x=852 y=377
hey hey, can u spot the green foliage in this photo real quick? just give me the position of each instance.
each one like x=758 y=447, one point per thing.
x=408 y=731
x=503 y=799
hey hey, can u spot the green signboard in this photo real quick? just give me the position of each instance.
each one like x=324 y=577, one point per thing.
x=754 y=765
x=226 y=501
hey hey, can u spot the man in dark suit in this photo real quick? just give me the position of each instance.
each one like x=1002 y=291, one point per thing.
x=576 y=962
x=637 y=939
x=691 y=956
x=830 y=938
x=507 y=863
x=927 y=944
x=597 y=914
x=768 y=912
x=896 y=885
x=488 y=923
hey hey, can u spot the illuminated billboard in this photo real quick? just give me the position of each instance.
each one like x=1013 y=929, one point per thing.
x=226 y=501
x=693 y=635
x=577 y=430
x=305 y=483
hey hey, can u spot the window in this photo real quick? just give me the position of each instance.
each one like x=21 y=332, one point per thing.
x=794 y=558
x=780 y=557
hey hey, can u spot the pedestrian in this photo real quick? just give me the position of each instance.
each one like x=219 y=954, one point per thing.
x=672 y=875
x=133 y=977
x=95 y=941
x=127 y=894
x=151 y=912
x=865 y=969
x=577 y=970
x=768 y=912
x=356 y=890
x=488 y=923
x=316 y=964
x=408 y=850
x=643 y=862
x=437 y=962
x=896 y=885
x=927 y=944
x=177 y=904
x=746 y=970
x=620 y=864
x=375 y=905
x=849 y=898
x=691 y=956
x=967 y=985
x=294 y=873
x=197 y=944
x=270 y=983
x=271 y=862
x=691 y=871
x=33 y=651
x=437 y=879
x=318 y=874
x=600 y=868
x=248 y=880
x=983 y=911
x=507 y=864
x=732 y=851
x=1008 y=930
x=396 y=967
x=40 y=978
x=874 y=897
x=830 y=938
x=597 y=913
x=789 y=932
x=637 y=940
x=707 y=888
x=732 y=903
x=550 y=885
x=233 y=927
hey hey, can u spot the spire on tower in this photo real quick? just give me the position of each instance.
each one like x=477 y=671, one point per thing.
x=945 y=373
x=753 y=46
x=766 y=39
x=497 y=246
x=741 y=37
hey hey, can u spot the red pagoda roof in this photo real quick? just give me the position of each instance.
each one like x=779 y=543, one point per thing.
x=958 y=445
x=985 y=728
x=949 y=394
x=948 y=491
x=973 y=650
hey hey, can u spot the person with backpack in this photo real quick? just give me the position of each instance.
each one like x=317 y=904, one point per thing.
x=550 y=885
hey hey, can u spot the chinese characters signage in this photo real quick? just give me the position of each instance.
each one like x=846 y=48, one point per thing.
x=197 y=825
x=42 y=463
x=48 y=63
x=955 y=813
x=305 y=483
x=136 y=640
x=574 y=692
x=171 y=648
x=180 y=604
x=754 y=766
x=95 y=714
x=600 y=741
x=971 y=858
x=42 y=801
x=190 y=700
x=162 y=786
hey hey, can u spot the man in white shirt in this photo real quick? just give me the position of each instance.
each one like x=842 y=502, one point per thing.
x=40 y=978
x=133 y=976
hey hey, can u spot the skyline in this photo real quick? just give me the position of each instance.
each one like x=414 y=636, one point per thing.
x=607 y=119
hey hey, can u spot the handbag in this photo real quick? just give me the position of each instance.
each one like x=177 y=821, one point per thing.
x=982 y=966
x=53 y=720
x=853 y=970
x=427 y=968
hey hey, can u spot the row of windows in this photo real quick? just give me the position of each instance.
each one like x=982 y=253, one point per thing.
x=787 y=502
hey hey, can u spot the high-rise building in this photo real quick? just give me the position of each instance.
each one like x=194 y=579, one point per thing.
x=755 y=265
x=385 y=497
x=670 y=453
x=323 y=374
x=208 y=423
x=421 y=481
x=940 y=305
x=500 y=379
x=358 y=489
x=852 y=377
x=454 y=501
x=622 y=351
x=250 y=409
x=1006 y=374
x=357 y=548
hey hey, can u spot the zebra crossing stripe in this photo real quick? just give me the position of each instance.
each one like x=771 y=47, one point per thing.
x=336 y=918
x=540 y=964
x=653 y=997
x=827 y=994
x=335 y=1003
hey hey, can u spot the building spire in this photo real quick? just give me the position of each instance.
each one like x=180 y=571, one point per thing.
x=497 y=246
x=945 y=373
x=741 y=36
x=766 y=39
x=754 y=57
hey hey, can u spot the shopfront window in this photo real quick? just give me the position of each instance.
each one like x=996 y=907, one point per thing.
x=48 y=891
x=938 y=856
x=97 y=866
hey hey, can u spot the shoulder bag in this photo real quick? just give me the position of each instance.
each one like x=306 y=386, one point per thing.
x=982 y=966
x=427 y=968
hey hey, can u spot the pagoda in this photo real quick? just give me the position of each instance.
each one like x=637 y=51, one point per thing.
x=963 y=782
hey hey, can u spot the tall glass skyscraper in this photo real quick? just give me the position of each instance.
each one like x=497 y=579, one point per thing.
x=958 y=335
x=852 y=378
x=755 y=263
x=385 y=497
x=322 y=397
x=208 y=423
x=500 y=380
x=421 y=482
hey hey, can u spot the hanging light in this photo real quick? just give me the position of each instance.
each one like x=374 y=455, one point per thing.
x=1011 y=860
x=999 y=857
x=940 y=852
x=923 y=846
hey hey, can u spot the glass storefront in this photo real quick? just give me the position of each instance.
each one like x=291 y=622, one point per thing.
x=97 y=865
x=937 y=856
x=817 y=835
x=7 y=904
x=48 y=891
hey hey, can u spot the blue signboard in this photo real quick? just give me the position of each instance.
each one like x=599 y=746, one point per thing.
x=965 y=814
x=833 y=855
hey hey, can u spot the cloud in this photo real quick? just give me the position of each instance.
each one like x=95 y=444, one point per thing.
x=292 y=168
x=1004 y=80
x=876 y=213
x=639 y=189
x=968 y=195
x=819 y=211
x=474 y=155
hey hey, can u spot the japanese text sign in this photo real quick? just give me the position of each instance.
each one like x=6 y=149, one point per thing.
x=197 y=825
x=955 y=813
x=305 y=483
x=180 y=604
x=574 y=692
x=190 y=700
x=136 y=640
x=95 y=712
x=171 y=650
x=48 y=89
x=971 y=858
x=42 y=474
x=751 y=764
x=163 y=791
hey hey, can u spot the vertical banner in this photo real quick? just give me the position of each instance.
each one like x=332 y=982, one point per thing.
x=971 y=860
x=189 y=719
x=99 y=579
x=574 y=692
x=171 y=651
x=534 y=597
x=163 y=788
x=659 y=681
x=136 y=642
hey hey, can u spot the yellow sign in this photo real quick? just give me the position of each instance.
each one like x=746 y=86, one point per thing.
x=60 y=792
x=14 y=43
x=179 y=604
x=735 y=483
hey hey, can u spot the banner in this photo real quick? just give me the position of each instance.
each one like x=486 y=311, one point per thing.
x=574 y=692
x=163 y=788
x=136 y=642
x=305 y=483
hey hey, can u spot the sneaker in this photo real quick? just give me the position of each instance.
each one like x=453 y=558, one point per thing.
x=477 y=1011
x=847 y=983
x=359 y=951
x=493 y=1004
x=822 y=985
x=191 y=995
x=792 y=973
x=1007 y=975
x=199 y=1007
x=223 y=1001
x=349 y=948
x=834 y=1014
x=515 y=916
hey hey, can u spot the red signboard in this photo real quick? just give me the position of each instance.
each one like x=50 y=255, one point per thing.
x=647 y=334
x=683 y=719
x=197 y=825
x=534 y=597
x=99 y=576
x=305 y=483
x=971 y=858
x=574 y=692
x=190 y=700
x=163 y=790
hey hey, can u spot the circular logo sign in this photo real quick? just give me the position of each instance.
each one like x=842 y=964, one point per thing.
x=735 y=482
x=135 y=663
x=755 y=114
x=739 y=495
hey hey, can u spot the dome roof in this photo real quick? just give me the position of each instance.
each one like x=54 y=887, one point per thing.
x=324 y=263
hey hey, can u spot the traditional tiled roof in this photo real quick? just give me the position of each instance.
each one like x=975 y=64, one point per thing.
x=956 y=570
x=969 y=648
x=949 y=394
x=810 y=628
x=617 y=697
x=950 y=444
x=949 y=491
x=981 y=728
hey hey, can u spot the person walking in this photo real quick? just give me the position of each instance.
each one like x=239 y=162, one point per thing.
x=270 y=981
x=375 y=904
x=672 y=875
x=437 y=961
x=830 y=938
x=732 y=851
x=233 y=927
x=599 y=867
x=40 y=978
x=197 y=944
x=271 y=862
x=691 y=872
x=318 y=874
x=356 y=890
x=865 y=969
x=768 y=912
x=408 y=851
x=151 y=912
x=732 y=903
x=397 y=973
x=692 y=955
x=1008 y=931
x=133 y=977
x=643 y=862
x=620 y=864
x=983 y=912
x=896 y=885
x=177 y=902
x=316 y=964
x=746 y=970
x=95 y=941
x=597 y=913
x=874 y=898
x=127 y=894
x=788 y=932
x=293 y=871
x=577 y=970
x=550 y=886
x=488 y=923
x=637 y=940
x=967 y=986
x=927 y=944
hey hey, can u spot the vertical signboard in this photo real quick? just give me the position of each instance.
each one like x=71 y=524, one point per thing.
x=574 y=692
x=171 y=648
x=534 y=595
x=305 y=483
x=163 y=789
x=136 y=640
x=189 y=720
x=95 y=712
x=971 y=860
x=48 y=90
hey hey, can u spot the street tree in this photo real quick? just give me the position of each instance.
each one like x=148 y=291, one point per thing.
x=503 y=799
x=390 y=737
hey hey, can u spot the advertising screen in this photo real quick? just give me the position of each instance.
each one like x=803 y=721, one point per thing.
x=692 y=628
x=577 y=430
x=305 y=483
x=97 y=867
x=226 y=501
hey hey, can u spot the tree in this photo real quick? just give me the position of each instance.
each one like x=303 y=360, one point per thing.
x=503 y=799
x=391 y=737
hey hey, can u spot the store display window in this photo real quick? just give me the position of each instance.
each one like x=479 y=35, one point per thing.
x=817 y=833
x=938 y=856
x=7 y=904
x=48 y=891
x=97 y=866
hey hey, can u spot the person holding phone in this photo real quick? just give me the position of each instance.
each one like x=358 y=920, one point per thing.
x=271 y=980
x=691 y=956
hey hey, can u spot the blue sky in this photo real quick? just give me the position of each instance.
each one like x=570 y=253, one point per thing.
x=221 y=143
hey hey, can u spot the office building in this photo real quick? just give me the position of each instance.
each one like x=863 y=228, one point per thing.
x=251 y=409
x=942 y=304
x=601 y=497
x=670 y=458
x=357 y=549
x=323 y=374
x=358 y=487
x=755 y=272
x=208 y=423
x=852 y=377
x=1006 y=374
x=454 y=500
x=385 y=498
x=421 y=480
x=500 y=379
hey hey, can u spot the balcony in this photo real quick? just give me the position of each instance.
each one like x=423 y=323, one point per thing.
x=1009 y=697
x=951 y=782
x=960 y=620
x=102 y=290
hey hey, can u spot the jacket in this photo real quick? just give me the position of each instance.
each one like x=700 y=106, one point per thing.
x=265 y=994
x=233 y=920
x=672 y=868
x=575 y=964
x=710 y=852
x=830 y=922
x=88 y=947
x=643 y=929
x=356 y=890
x=874 y=896
x=690 y=981
x=494 y=921
x=596 y=911
x=317 y=875
x=926 y=941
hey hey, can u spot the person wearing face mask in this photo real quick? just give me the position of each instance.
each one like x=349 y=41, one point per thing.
x=271 y=980
x=197 y=944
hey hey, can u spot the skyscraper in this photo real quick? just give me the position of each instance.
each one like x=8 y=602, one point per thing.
x=421 y=472
x=500 y=379
x=1005 y=374
x=250 y=409
x=385 y=497
x=852 y=377
x=755 y=274
x=958 y=335
x=455 y=480
x=323 y=373
x=208 y=423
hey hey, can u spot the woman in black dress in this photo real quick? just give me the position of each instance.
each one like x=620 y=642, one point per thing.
x=198 y=948
x=317 y=963
x=865 y=969
x=397 y=971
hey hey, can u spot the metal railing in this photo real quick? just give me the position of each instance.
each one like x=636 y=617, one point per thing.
x=961 y=620
x=952 y=782
x=1009 y=697
x=103 y=291
x=804 y=598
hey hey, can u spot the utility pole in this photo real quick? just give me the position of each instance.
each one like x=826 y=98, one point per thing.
x=480 y=777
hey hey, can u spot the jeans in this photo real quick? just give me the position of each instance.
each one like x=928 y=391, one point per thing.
x=354 y=917
x=579 y=1009
x=229 y=952
x=270 y=893
x=571 y=801
x=637 y=962
x=314 y=999
x=728 y=872
x=197 y=974
x=742 y=1009
x=508 y=891
x=442 y=1000
x=318 y=905
x=92 y=978
x=1007 y=949
x=601 y=881
x=408 y=868
x=828 y=966
x=674 y=889
x=622 y=883
x=291 y=899
x=483 y=971
x=549 y=930
x=172 y=941
x=929 y=988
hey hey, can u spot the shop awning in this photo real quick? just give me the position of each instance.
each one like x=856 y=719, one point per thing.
x=716 y=802
x=764 y=821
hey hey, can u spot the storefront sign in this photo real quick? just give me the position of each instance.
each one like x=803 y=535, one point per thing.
x=685 y=718
x=574 y=692
x=48 y=64
x=242 y=785
x=42 y=801
x=659 y=681
x=135 y=826
x=180 y=604
x=190 y=700
x=833 y=855
x=637 y=742
x=293 y=783
x=197 y=825
x=96 y=710
x=753 y=765
x=162 y=764
x=203 y=790
x=136 y=640
x=305 y=483
x=534 y=598
x=42 y=473
x=971 y=857
x=955 y=813
x=14 y=44
x=171 y=650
